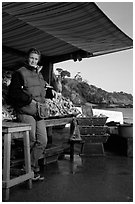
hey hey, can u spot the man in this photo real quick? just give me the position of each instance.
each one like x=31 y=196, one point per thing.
x=26 y=89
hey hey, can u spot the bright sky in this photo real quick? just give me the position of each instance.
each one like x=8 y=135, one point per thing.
x=111 y=72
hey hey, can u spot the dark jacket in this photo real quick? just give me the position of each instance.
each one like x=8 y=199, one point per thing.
x=27 y=84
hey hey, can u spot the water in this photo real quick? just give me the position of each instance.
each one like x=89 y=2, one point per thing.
x=127 y=113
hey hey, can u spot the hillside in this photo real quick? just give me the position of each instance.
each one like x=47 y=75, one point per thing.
x=81 y=92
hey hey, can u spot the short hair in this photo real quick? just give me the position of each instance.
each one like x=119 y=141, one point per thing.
x=34 y=50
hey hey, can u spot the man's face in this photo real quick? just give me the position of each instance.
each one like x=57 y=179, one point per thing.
x=33 y=59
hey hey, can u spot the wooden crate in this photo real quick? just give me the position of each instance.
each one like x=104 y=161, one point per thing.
x=93 y=130
x=92 y=149
x=84 y=121
x=52 y=153
x=99 y=121
x=93 y=145
x=95 y=138
x=89 y=121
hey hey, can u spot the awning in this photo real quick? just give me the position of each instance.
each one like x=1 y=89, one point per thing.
x=60 y=30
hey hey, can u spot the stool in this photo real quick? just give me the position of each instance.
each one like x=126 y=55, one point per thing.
x=8 y=128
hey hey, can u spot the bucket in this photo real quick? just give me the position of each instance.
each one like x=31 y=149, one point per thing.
x=125 y=130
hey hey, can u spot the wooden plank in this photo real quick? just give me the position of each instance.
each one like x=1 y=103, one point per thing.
x=14 y=124
x=17 y=180
x=9 y=127
x=58 y=121
x=7 y=151
x=27 y=152
x=16 y=127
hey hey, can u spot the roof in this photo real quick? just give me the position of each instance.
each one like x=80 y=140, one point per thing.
x=60 y=30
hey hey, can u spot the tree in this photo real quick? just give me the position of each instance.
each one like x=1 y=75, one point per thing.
x=59 y=70
x=78 y=77
x=63 y=73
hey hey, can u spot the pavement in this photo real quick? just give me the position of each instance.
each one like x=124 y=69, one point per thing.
x=107 y=178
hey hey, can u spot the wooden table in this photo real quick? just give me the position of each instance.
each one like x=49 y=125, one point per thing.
x=8 y=130
x=63 y=121
x=58 y=121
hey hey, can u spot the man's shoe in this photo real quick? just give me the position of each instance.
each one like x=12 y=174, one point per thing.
x=41 y=178
x=36 y=177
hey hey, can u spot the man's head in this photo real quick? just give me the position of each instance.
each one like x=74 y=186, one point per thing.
x=33 y=56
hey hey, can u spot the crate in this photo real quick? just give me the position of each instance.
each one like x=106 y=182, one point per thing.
x=53 y=149
x=95 y=138
x=84 y=121
x=95 y=121
x=93 y=130
x=51 y=159
x=52 y=153
x=92 y=149
x=99 y=121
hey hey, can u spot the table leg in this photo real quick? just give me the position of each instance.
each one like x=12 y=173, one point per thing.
x=6 y=165
x=27 y=156
x=49 y=134
x=5 y=194
x=72 y=127
x=71 y=150
x=82 y=145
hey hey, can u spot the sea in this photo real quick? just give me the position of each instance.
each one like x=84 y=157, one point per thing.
x=127 y=113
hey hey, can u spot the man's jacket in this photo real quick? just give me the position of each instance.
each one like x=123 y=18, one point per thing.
x=26 y=84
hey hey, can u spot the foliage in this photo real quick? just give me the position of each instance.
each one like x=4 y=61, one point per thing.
x=63 y=73
x=80 y=92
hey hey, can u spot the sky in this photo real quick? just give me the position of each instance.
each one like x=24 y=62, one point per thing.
x=111 y=72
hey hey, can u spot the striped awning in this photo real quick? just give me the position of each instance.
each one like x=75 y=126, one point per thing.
x=60 y=30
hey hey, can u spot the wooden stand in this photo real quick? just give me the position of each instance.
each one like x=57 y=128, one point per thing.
x=8 y=128
x=93 y=132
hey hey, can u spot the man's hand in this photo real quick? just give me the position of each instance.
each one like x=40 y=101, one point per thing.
x=56 y=94
x=33 y=101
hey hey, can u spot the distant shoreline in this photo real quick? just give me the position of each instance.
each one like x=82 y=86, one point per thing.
x=101 y=106
x=112 y=106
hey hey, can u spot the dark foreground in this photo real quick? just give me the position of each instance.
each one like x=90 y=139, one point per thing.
x=106 y=178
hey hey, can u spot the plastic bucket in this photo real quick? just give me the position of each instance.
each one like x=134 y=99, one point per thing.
x=125 y=130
